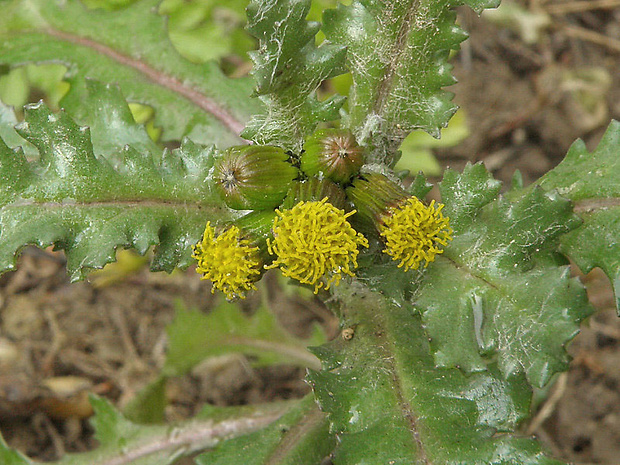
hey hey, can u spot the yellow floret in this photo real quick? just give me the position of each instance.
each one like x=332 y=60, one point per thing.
x=414 y=232
x=314 y=240
x=229 y=261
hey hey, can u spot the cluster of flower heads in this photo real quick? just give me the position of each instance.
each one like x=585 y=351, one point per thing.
x=300 y=218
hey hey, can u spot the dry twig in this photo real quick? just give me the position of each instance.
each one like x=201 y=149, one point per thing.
x=579 y=6
x=591 y=36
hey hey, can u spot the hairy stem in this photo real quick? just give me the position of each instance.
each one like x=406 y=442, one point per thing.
x=296 y=353
x=196 y=435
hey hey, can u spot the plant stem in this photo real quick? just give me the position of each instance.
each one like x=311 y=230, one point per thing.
x=196 y=435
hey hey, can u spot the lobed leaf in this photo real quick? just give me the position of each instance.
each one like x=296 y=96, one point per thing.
x=131 y=48
x=592 y=182
x=75 y=200
x=388 y=402
x=397 y=53
x=112 y=125
x=123 y=442
x=194 y=336
x=501 y=291
x=288 y=69
x=8 y=135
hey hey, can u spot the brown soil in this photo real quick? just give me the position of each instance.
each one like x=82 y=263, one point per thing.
x=59 y=341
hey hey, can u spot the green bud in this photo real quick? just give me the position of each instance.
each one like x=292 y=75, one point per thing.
x=253 y=177
x=333 y=152
x=373 y=194
x=256 y=228
x=314 y=190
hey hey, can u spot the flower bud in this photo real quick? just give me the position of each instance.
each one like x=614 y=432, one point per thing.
x=333 y=152
x=373 y=194
x=315 y=189
x=253 y=177
x=413 y=232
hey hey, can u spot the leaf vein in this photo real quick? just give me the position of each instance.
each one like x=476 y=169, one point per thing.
x=158 y=77
x=403 y=404
x=398 y=50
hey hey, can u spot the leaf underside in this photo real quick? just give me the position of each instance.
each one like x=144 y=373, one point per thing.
x=129 y=47
x=288 y=69
x=77 y=198
x=397 y=53
x=592 y=182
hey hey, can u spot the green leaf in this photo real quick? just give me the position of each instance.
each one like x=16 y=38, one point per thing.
x=207 y=29
x=74 y=200
x=288 y=69
x=123 y=442
x=583 y=175
x=596 y=244
x=148 y=406
x=194 y=336
x=107 y=4
x=500 y=292
x=300 y=437
x=397 y=54
x=104 y=108
x=8 y=121
x=14 y=89
x=416 y=153
x=9 y=456
x=469 y=192
x=388 y=403
x=592 y=181
x=17 y=85
x=129 y=47
x=522 y=320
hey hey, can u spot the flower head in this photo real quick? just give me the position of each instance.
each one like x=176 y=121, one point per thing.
x=314 y=240
x=414 y=232
x=231 y=261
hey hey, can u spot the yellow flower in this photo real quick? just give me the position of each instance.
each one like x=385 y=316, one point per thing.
x=229 y=260
x=414 y=232
x=314 y=240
